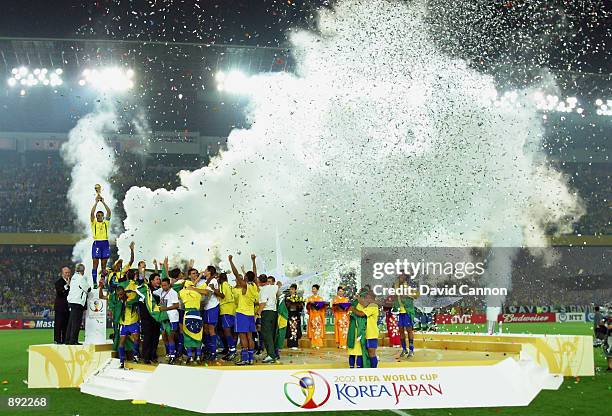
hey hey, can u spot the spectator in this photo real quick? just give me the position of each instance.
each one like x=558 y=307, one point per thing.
x=62 y=286
x=77 y=298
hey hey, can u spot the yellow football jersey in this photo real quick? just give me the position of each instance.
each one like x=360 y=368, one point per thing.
x=130 y=315
x=227 y=305
x=190 y=298
x=246 y=301
x=99 y=230
x=371 y=312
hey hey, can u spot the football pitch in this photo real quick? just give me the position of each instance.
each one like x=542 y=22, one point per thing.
x=575 y=397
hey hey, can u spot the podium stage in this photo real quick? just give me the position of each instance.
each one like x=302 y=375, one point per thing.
x=51 y=365
x=448 y=370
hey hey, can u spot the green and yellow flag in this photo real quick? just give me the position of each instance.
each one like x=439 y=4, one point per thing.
x=147 y=298
x=283 y=317
x=357 y=329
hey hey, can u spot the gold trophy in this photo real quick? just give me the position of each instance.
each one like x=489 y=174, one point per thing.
x=98 y=189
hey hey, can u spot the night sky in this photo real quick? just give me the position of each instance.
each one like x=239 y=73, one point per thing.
x=260 y=22
x=567 y=35
x=573 y=35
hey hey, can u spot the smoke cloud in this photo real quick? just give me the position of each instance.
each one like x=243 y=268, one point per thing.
x=378 y=139
x=92 y=161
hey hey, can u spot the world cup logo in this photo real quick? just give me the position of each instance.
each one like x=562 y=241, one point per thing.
x=96 y=305
x=310 y=391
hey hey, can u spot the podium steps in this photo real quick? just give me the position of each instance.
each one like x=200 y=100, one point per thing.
x=330 y=342
x=112 y=382
x=484 y=344
x=422 y=340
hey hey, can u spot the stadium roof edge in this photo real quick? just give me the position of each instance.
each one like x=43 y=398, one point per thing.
x=142 y=42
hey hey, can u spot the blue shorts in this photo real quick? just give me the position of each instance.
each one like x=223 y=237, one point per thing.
x=100 y=249
x=130 y=329
x=244 y=323
x=372 y=343
x=228 y=321
x=174 y=326
x=404 y=320
x=211 y=316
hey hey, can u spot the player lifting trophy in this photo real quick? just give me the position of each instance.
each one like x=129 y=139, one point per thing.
x=100 y=227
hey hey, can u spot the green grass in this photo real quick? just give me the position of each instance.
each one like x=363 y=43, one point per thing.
x=576 y=397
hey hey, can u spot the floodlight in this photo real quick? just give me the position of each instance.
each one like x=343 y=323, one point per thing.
x=233 y=82
x=108 y=79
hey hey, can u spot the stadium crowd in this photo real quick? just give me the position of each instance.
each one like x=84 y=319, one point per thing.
x=594 y=185
x=33 y=188
x=31 y=195
x=27 y=274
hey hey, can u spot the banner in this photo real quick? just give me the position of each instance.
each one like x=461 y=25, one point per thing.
x=302 y=389
x=38 y=324
x=481 y=318
x=547 y=308
x=95 y=320
x=571 y=317
x=477 y=318
x=10 y=324
x=527 y=317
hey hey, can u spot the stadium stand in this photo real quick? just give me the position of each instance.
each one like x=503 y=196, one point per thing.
x=28 y=274
x=33 y=188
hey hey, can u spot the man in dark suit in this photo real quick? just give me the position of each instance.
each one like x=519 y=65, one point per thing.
x=62 y=286
x=149 y=326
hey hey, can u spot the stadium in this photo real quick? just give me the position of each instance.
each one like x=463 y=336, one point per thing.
x=383 y=206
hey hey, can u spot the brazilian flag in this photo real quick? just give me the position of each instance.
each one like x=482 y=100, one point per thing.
x=140 y=293
x=192 y=328
x=153 y=308
x=146 y=297
x=408 y=304
x=116 y=307
x=113 y=303
x=283 y=316
x=357 y=326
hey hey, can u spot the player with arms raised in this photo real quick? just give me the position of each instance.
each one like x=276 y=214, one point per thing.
x=247 y=294
x=100 y=227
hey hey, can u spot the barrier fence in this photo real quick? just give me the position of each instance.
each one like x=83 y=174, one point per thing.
x=477 y=318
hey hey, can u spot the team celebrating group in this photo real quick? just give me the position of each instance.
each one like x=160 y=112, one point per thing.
x=196 y=312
